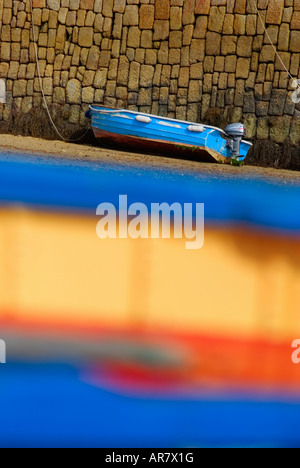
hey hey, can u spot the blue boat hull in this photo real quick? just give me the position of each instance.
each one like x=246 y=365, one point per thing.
x=149 y=133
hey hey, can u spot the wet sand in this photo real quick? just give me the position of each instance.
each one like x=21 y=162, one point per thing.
x=76 y=152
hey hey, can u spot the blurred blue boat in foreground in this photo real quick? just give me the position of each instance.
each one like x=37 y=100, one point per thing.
x=145 y=132
x=140 y=342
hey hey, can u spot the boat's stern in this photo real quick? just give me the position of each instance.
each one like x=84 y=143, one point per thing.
x=238 y=148
x=228 y=146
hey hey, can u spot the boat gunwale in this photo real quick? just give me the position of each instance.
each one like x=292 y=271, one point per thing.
x=111 y=111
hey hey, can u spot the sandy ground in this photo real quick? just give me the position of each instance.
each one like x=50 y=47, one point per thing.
x=75 y=152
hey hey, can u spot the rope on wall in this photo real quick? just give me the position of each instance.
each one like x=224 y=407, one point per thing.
x=295 y=81
x=42 y=88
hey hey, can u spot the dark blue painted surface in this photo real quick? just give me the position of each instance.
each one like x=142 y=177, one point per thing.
x=50 y=405
x=82 y=186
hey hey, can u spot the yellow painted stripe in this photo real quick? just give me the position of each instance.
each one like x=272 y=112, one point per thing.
x=54 y=269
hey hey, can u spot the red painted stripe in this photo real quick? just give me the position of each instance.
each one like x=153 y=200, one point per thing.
x=208 y=359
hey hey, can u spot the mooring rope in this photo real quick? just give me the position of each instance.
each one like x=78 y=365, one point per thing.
x=42 y=88
x=295 y=80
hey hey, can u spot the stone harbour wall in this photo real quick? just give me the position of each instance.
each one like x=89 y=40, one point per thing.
x=201 y=60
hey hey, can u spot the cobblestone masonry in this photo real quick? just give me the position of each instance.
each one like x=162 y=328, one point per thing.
x=200 y=60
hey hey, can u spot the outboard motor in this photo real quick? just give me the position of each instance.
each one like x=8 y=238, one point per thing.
x=235 y=133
